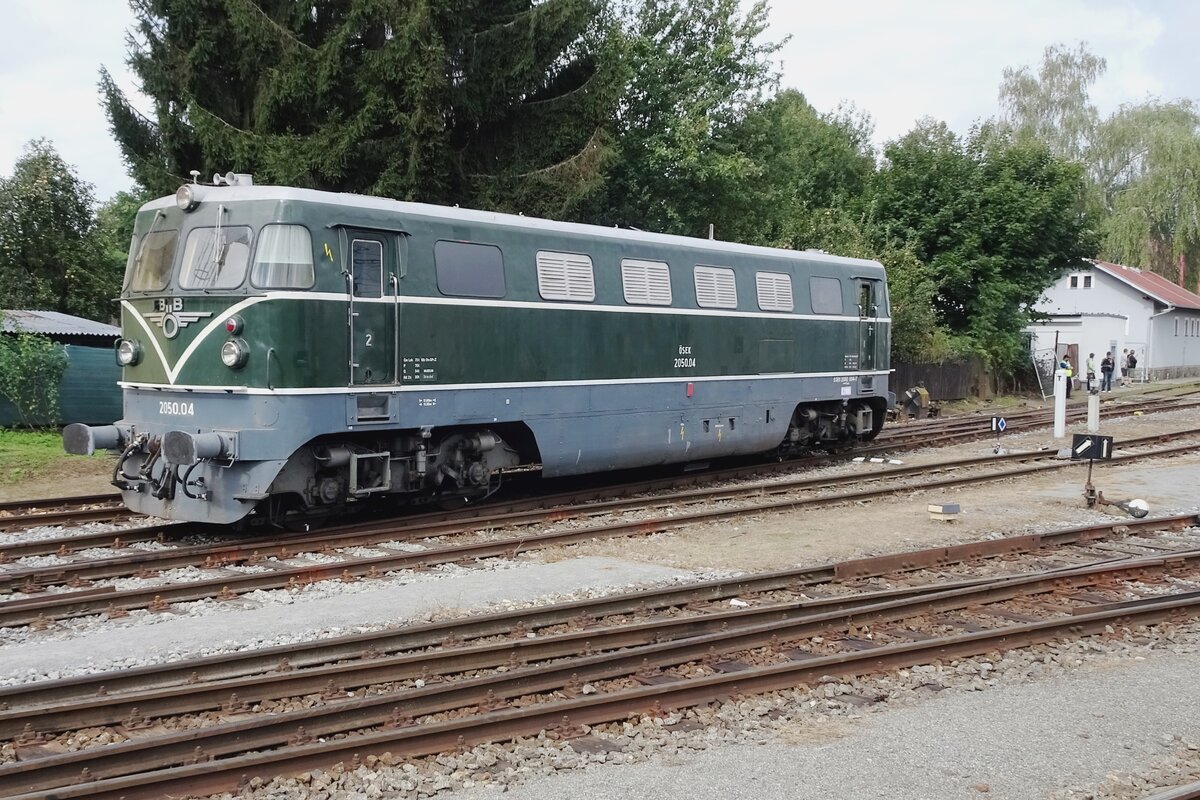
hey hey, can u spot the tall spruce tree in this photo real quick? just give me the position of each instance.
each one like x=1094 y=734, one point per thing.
x=489 y=103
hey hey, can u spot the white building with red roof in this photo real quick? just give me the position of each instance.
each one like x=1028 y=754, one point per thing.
x=1108 y=307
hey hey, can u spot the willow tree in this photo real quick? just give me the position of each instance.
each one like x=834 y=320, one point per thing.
x=1053 y=105
x=491 y=103
x=1141 y=161
x=1151 y=154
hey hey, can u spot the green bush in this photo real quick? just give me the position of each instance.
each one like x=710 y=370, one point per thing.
x=31 y=370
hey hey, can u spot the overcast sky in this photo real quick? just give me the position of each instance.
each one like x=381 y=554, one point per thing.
x=899 y=61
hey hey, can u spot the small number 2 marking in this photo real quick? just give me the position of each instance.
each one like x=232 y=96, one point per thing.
x=370 y=336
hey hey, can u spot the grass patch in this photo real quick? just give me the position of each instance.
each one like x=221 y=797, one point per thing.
x=24 y=454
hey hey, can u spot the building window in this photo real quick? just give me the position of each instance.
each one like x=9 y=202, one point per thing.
x=826 y=294
x=465 y=269
x=715 y=287
x=774 y=291
x=646 y=283
x=565 y=276
x=1074 y=281
x=1087 y=281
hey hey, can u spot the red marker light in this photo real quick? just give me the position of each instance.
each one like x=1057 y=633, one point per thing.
x=233 y=325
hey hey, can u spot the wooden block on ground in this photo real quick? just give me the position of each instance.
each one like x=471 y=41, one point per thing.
x=944 y=511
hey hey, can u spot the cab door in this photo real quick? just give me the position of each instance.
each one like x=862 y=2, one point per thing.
x=868 y=324
x=372 y=281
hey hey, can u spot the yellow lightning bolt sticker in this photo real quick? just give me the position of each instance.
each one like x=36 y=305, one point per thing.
x=328 y=252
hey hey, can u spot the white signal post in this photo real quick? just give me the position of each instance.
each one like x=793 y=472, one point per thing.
x=1060 y=403
x=1094 y=412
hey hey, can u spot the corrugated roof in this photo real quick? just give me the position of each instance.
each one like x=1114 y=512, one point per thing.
x=1152 y=284
x=54 y=323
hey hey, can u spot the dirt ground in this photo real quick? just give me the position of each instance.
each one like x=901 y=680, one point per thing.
x=70 y=476
x=901 y=522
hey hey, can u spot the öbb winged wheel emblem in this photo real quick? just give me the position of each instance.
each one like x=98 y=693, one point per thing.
x=172 y=321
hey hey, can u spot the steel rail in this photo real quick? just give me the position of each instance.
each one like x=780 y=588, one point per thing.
x=25 y=506
x=632 y=649
x=212 y=776
x=73 y=516
x=1190 y=791
x=67 y=604
x=1034 y=417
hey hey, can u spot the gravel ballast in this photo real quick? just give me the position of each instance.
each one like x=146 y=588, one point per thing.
x=334 y=608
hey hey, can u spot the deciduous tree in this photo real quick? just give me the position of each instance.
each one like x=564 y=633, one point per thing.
x=695 y=69
x=995 y=218
x=48 y=254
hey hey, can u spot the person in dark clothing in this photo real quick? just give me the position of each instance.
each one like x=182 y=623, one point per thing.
x=1065 y=365
x=1106 y=372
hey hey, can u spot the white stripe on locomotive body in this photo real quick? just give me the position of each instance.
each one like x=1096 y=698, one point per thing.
x=388 y=388
x=232 y=194
x=219 y=321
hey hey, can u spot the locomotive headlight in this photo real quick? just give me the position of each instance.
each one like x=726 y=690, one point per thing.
x=185 y=198
x=234 y=353
x=234 y=325
x=129 y=352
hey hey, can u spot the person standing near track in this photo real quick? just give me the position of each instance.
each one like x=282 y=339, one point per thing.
x=1106 y=373
x=1065 y=366
x=1090 y=369
x=1130 y=365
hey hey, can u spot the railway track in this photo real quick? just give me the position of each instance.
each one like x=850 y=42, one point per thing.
x=73 y=596
x=76 y=510
x=70 y=511
x=639 y=653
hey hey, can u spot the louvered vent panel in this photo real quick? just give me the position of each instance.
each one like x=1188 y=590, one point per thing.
x=774 y=291
x=646 y=282
x=565 y=276
x=715 y=288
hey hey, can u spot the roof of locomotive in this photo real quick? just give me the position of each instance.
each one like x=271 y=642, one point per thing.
x=286 y=193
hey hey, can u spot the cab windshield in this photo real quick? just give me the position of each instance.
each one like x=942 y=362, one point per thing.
x=215 y=258
x=151 y=269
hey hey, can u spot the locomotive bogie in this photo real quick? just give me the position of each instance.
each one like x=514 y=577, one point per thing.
x=295 y=352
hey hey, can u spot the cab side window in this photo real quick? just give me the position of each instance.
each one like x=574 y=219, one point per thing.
x=284 y=258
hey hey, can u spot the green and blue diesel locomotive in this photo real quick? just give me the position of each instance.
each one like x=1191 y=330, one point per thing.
x=288 y=352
